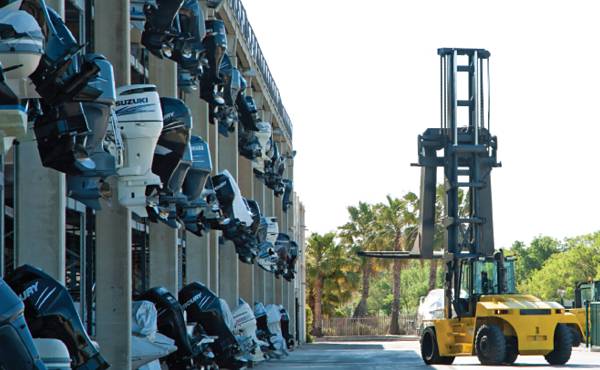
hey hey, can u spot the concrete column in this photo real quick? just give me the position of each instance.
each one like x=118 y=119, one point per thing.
x=164 y=261
x=269 y=278
x=113 y=222
x=164 y=252
x=40 y=205
x=228 y=260
x=246 y=271
x=283 y=228
x=213 y=246
x=197 y=248
x=259 y=274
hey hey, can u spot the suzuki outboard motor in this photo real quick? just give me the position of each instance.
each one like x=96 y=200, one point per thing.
x=50 y=313
x=89 y=186
x=140 y=121
x=265 y=332
x=287 y=194
x=274 y=324
x=245 y=330
x=205 y=308
x=264 y=136
x=17 y=350
x=171 y=323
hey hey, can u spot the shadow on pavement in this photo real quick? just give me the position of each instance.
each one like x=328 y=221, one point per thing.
x=342 y=346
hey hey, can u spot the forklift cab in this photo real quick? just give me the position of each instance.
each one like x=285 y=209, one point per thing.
x=483 y=276
x=586 y=292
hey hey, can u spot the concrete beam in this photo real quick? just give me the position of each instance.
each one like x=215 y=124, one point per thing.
x=113 y=222
x=213 y=142
x=163 y=73
x=269 y=200
x=259 y=274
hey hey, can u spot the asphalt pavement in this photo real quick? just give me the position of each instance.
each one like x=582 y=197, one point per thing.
x=396 y=355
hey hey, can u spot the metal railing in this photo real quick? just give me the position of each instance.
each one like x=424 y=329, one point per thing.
x=367 y=326
x=239 y=12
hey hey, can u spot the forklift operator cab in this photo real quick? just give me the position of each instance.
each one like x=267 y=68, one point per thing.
x=483 y=276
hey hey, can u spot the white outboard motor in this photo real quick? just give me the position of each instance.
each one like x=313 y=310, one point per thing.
x=264 y=136
x=245 y=330
x=21 y=49
x=140 y=121
x=147 y=344
x=239 y=208
x=274 y=325
x=53 y=353
x=267 y=257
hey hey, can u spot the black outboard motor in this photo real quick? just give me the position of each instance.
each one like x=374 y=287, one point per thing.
x=194 y=184
x=17 y=351
x=89 y=186
x=285 y=328
x=282 y=248
x=50 y=313
x=287 y=200
x=225 y=115
x=290 y=272
x=172 y=160
x=171 y=323
x=159 y=29
x=274 y=170
x=204 y=307
x=215 y=43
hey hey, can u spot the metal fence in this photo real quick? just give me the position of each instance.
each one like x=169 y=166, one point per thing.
x=263 y=68
x=367 y=326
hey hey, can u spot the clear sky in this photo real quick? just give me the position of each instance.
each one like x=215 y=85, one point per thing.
x=360 y=80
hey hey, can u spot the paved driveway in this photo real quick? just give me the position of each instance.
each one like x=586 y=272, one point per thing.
x=400 y=355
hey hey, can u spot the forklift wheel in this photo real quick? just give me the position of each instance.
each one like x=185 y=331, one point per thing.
x=563 y=344
x=490 y=345
x=430 y=351
x=512 y=351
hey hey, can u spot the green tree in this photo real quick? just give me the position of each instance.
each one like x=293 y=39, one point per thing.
x=359 y=234
x=531 y=258
x=396 y=228
x=330 y=275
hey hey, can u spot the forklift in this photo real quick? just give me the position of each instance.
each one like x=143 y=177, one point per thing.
x=483 y=313
x=587 y=293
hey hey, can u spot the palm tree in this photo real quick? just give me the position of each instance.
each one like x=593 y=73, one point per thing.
x=397 y=229
x=331 y=279
x=359 y=234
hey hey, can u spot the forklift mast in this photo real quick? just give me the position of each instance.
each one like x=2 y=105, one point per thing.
x=468 y=156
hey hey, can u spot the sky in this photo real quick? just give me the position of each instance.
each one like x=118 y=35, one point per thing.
x=360 y=81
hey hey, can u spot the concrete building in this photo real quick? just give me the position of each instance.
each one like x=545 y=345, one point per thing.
x=106 y=257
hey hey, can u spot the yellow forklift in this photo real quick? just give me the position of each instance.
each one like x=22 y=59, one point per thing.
x=484 y=315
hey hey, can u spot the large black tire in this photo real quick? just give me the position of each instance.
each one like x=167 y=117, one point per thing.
x=490 y=345
x=512 y=351
x=430 y=351
x=563 y=344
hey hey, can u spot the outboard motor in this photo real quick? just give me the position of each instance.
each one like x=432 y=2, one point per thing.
x=194 y=185
x=225 y=114
x=267 y=236
x=204 y=307
x=171 y=322
x=237 y=226
x=274 y=170
x=147 y=344
x=285 y=328
x=17 y=351
x=290 y=272
x=140 y=120
x=159 y=29
x=172 y=160
x=274 y=324
x=89 y=186
x=276 y=342
x=264 y=136
x=50 y=313
x=21 y=48
x=245 y=331
x=215 y=43
x=287 y=194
